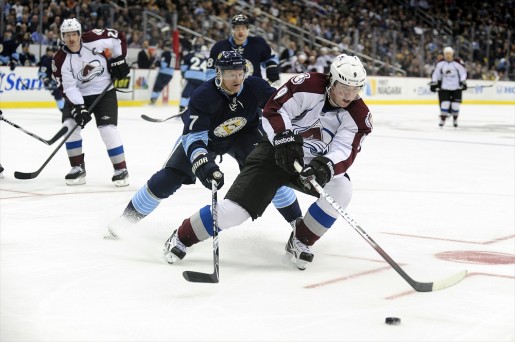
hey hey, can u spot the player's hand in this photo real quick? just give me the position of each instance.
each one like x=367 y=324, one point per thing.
x=81 y=115
x=119 y=68
x=434 y=86
x=463 y=85
x=321 y=168
x=206 y=170
x=272 y=73
x=288 y=149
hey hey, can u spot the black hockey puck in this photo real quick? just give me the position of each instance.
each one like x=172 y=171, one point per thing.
x=392 y=320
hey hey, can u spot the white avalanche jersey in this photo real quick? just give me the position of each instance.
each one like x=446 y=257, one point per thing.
x=301 y=106
x=86 y=72
x=450 y=74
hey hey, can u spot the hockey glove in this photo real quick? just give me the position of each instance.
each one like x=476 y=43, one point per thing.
x=272 y=72
x=463 y=85
x=119 y=68
x=321 y=168
x=288 y=149
x=434 y=86
x=81 y=115
x=205 y=168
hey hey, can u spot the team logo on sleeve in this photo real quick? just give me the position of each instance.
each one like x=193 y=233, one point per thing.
x=300 y=78
x=230 y=126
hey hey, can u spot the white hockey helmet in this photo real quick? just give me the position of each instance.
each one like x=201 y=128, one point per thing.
x=448 y=49
x=348 y=70
x=70 y=25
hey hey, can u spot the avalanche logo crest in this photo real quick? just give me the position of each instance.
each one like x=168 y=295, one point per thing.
x=314 y=138
x=90 y=71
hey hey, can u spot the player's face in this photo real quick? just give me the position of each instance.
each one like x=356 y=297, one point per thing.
x=342 y=95
x=232 y=80
x=449 y=56
x=72 y=41
x=240 y=34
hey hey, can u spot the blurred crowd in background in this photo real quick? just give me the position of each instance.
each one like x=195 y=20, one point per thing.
x=406 y=36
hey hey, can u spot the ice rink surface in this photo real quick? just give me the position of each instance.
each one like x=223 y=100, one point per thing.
x=438 y=201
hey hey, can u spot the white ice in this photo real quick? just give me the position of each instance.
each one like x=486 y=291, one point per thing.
x=418 y=190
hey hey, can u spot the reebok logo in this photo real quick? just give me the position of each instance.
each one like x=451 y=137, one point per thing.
x=284 y=140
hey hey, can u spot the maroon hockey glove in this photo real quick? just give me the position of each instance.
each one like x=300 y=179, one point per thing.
x=205 y=168
x=119 y=68
x=288 y=149
x=321 y=168
x=81 y=115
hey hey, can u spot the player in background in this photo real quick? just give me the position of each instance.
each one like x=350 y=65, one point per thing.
x=254 y=49
x=193 y=70
x=45 y=76
x=316 y=119
x=166 y=69
x=450 y=79
x=222 y=118
x=82 y=71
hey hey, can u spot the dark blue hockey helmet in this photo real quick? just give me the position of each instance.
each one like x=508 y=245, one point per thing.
x=240 y=19
x=230 y=60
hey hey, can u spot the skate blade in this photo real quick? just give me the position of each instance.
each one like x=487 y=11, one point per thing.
x=121 y=182
x=77 y=181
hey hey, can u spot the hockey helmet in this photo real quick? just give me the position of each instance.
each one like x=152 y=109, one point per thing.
x=348 y=70
x=240 y=19
x=230 y=60
x=448 y=49
x=70 y=25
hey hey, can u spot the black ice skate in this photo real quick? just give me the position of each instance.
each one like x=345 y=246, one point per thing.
x=300 y=253
x=121 y=177
x=174 y=249
x=76 y=176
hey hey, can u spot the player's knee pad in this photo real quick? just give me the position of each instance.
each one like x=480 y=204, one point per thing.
x=165 y=182
x=230 y=214
x=445 y=106
x=455 y=107
x=340 y=189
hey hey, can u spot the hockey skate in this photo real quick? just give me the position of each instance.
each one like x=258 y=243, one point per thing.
x=129 y=218
x=455 y=123
x=121 y=177
x=174 y=249
x=76 y=176
x=299 y=252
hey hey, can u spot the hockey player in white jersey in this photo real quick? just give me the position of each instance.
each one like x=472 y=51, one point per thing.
x=449 y=78
x=83 y=68
x=318 y=120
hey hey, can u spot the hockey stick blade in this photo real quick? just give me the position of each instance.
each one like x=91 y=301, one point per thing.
x=199 y=277
x=417 y=286
x=148 y=118
x=58 y=135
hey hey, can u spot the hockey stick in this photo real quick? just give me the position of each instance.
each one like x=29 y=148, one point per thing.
x=199 y=277
x=484 y=86
x=32 y=175
x=56 y=137
x=148 y=118
x=418 y=286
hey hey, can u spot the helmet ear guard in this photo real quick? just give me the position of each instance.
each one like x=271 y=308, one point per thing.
x=70 y=25
x=348 y=70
